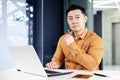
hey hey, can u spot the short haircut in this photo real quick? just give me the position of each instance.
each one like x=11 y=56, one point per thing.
x=74 y=7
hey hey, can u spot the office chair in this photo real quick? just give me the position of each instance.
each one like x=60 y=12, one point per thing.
x=101 y=65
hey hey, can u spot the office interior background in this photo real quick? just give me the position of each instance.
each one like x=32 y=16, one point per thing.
x=41 y=22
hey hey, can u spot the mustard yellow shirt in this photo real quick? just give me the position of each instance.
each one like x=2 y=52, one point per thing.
x=82 y=54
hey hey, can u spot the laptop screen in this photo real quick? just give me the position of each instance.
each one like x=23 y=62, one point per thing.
x=27 y=60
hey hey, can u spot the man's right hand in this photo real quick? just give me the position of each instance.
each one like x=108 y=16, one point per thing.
x=52 y=65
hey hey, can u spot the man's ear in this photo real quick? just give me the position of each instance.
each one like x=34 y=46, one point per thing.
x=86 y=19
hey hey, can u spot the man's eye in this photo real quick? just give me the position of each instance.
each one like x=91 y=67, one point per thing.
x=70 y=18
x=77 y=17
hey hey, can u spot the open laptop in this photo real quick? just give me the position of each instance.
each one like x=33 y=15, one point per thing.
x=27 y=61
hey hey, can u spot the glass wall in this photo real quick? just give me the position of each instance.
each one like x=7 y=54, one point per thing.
x=15 y=28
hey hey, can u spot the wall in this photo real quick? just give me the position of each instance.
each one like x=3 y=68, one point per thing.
x=6 y=60
x=109 y=17
x=48 y=27
x=53 y=27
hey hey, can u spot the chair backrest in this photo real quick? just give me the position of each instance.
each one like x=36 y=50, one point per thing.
x=101 y=65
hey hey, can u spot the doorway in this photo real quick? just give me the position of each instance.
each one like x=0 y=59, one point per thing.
x=116 y=43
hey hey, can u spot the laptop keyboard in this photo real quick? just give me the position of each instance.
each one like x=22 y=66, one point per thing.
x=50 y=71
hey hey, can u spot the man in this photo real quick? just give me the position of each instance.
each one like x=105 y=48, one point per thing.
x=79 y=48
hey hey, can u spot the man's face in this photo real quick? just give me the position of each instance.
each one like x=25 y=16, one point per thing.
x=76 y=20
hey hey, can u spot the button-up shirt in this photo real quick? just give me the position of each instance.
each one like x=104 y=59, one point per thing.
x=83 y=54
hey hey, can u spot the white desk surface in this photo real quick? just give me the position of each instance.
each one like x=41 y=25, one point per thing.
x=13 y=74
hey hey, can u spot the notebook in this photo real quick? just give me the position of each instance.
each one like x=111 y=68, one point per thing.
x=27 y=61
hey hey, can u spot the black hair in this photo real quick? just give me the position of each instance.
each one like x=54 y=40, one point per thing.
x=74 y=7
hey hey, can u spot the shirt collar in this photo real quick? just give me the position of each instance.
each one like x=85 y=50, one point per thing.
x=83 y=35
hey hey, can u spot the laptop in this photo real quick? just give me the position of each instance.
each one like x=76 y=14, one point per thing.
x=27 y=61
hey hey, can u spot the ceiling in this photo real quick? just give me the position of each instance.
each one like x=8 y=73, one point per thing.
x=105 y=4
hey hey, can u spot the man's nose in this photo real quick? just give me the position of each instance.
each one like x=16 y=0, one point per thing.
x=74 y=20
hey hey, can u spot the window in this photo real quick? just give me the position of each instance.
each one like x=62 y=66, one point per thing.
x=15 y=21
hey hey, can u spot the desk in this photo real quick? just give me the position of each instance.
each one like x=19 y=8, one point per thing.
x=112 y=75
x=12 y=74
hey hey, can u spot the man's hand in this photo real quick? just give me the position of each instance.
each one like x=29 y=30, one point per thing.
x=68 y=39
x=52 y=65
